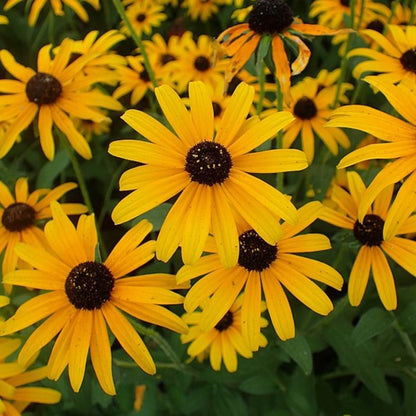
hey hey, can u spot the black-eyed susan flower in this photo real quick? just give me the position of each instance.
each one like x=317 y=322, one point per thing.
x=396 y=61
x=399 y=135
x=134 y=79
x=15 y=394
x=272 y=18
x=311 y=106
x=210 y=171
x=144 y=16
x=57 y=7
x=52 y=93
x=224 y=342
x=267 y=268
x=22 y=216
x=84 y=295
x=379 y=233
x=203 y=9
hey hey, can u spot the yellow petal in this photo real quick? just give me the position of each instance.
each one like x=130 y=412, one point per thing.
x=359 y=276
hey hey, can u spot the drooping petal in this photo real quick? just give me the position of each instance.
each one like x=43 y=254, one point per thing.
x=359 y=276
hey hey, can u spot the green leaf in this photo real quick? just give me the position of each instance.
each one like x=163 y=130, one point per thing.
x=259 y=384
x=52 y=169
x=299 y=350
x=407 y=319
x=263 y=48
x=360 y=359
x=97 y=254
x=301 y=397
x=373 y=322
x=228 y=403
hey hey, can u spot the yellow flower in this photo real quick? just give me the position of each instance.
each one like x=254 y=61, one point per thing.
x=396 y=61
x=57 y=8
x=224 y=341
x=272 y=18
x=203 y=9
x=379 y=234
x=21 y=216
x=15 y=396
x=399 y=135
x=52 y=93
x=210 y=171
x=268 y=268
x=83 y=295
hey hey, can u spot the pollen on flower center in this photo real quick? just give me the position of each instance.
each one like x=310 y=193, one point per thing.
x=202 y=63
x=208 y=163
x=89 y=285
x=370 y=231
x=305 y=108
x=225 y=322
x=255 y=253
x=270 y=16
x=43 y=89
x=18 y=216
x=408 y=60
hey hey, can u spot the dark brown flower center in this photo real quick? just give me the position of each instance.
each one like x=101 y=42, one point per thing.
x=141 y=17
x=208 y=163
x=233 y=84
x=305 y=108
x=217 y=108
x=345 y=3
x=89 y=285
x=370 y=231
x=270 y=16
x=408 y=60
x=202 y=63
x=376 y=25
x=165 y=58
x=255 y=253
x=144 y=76
x=225 y=322
x=18 y=216
x=43 y=89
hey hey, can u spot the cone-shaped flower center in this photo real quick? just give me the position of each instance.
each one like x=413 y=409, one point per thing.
x=202 y=63
x=217 y=108
x=370 y=231
x=255 y=253
x=208 y=163
x=408 y=60
x=305 y=108
x=18 y=216
x=89 y=285
x=165 y=58
x=270 y=16
x=376 y=25
x=225 y=322
x=43 y=89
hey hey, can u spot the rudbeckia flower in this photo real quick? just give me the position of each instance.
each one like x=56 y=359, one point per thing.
x=210 y=171
x=203 y=9
x=379 y=233
x=84 y=295
x=267 y=268
x=311 y=106
x=52 y=93
x=222 y=343
x=57 y=8
x=15 y=394
x=272 y=18
x=396 y=61
x=21 y=216
x=399 y=135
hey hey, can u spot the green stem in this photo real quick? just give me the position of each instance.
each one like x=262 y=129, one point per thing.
x=277 y=143
x=261 y=77
x=137 y=39
x=405 y=339
x=51 y=27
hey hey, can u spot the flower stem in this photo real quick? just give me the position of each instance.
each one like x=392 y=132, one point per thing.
x=278 y=141
x=137 y=39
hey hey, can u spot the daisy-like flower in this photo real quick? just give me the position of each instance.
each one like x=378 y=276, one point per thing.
x=399 y=135
x=84 y=295
x=311 y=106
x=223 y=342
x=210 y=171
x=268 y=268
x=15 y=395
x=199 y=61
x=144 y=15
x=203 y=9
x=396 y=62
x=57 y=7
x=89 y=129
x=379 y=233
x=22 y=214
x=134 y=79
x=272 y=18
x=52 y=93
